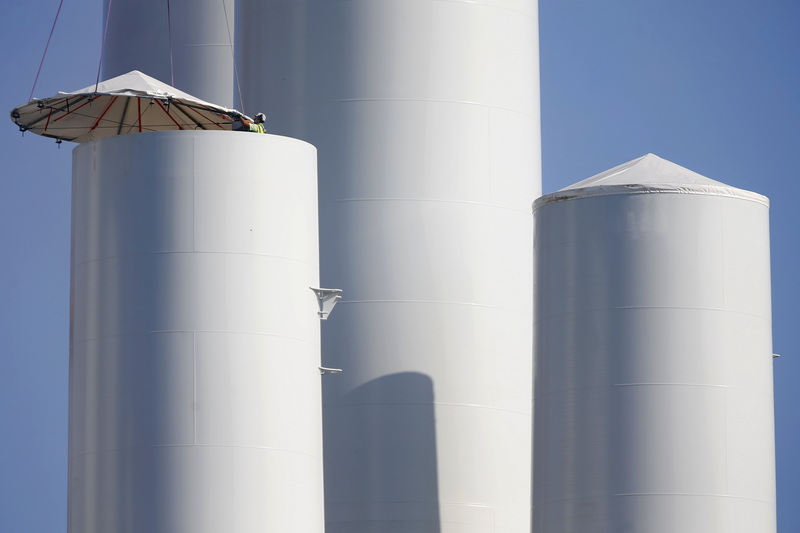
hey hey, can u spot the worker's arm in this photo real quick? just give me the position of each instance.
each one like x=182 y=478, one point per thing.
x=249 y=125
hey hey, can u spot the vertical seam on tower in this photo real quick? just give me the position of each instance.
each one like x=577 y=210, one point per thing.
x=194 y=333
x=194 y=199
x=194 y=388
x=489 y=159
x=727 y=430
x=723 y=252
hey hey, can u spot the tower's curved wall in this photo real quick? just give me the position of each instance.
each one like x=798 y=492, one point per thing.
x=653 y=393
x=194 y=380
x=426 y=117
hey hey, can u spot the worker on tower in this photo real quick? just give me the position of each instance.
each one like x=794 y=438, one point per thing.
x=256 y=125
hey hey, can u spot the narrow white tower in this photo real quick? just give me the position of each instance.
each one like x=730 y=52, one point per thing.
x=654 y=405
x=426 y=117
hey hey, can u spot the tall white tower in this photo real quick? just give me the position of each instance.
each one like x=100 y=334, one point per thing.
x=654 y=404
x=195 y=398
x=426 y=117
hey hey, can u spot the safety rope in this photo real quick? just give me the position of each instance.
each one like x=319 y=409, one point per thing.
x=36 y=80
x=233 y=56
x=169 y=33
x=103 y=46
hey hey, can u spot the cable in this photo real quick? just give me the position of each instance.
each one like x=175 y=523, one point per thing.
x=169 y=33
x=36 y=80
x=233 y=56
x=103 y=47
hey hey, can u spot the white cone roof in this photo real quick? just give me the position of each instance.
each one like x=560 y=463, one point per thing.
x=135 y=83
x=646 y=175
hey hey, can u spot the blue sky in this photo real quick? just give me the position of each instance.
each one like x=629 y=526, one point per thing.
x=711 y=85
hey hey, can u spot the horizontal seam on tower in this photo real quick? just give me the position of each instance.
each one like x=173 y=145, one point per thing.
x=612 y=385
x=529 y=14
x=190 y=445
x=443 y=302
x=622 y=494
x=694 y=494
x=200 y=45
x=428 y=404
x=633 y=307
x=191 y=252
x=162 y=331
x=432 y=502
x=532 y=115
x=435 y=200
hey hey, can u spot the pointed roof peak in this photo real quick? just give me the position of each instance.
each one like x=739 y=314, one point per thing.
x=136 y=81
x=647 y=174
x=645 y=170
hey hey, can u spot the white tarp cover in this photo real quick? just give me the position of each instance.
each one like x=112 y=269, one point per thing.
x=647 y=174
x=130 y=103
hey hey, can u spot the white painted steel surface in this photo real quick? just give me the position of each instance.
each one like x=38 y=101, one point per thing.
x=194 y=380
x=654 y=405
x=426 y=117
x=191 y=39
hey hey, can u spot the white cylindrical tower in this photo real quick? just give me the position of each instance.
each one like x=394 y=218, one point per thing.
x=654 y=406
x=194 y=380
x=185 y=43
x=426 y=117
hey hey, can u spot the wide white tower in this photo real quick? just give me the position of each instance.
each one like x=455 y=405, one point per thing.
x=426 y=117
x=654 y=404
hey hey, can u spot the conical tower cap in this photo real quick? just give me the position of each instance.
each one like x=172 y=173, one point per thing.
x=647 y=175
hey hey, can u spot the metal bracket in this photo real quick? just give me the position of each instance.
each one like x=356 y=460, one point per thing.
x=327 y=299
x=324 y=371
